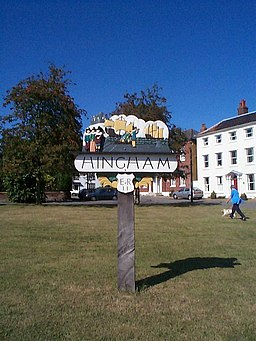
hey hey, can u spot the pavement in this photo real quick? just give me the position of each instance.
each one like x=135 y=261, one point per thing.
x=159 y=200
x=149 y=200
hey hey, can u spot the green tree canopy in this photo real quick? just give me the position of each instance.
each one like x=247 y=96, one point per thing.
x=42 y=128
x=148 y=105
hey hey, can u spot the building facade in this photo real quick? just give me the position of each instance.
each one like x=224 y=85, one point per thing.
x=226 y=155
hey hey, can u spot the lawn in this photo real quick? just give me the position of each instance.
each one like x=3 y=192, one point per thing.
x=195 y=272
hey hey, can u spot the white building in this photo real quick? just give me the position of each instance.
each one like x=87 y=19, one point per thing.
x=87 y=180
x=226 y=155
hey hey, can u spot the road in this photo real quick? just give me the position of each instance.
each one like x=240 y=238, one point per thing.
x=150 y=200
x=158 y=200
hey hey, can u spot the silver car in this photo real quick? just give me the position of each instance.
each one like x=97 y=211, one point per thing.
x=185 y=193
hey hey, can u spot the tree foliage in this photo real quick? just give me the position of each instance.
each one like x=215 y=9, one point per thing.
x=177 y=139
x=148 y=105
x=43 y=127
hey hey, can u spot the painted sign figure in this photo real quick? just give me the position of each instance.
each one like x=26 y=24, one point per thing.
x=126 y=137
x=134 y=133
x=87 y=139
x=98 y=139
x=123 y=129
x=130 y=136
x=92 y=140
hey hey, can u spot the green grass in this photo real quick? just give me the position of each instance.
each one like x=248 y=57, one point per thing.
x=195 y=271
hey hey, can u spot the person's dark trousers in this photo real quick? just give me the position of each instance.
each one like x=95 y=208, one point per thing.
x=236 y=208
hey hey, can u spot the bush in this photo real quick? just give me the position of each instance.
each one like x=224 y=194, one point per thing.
x=213 y=195
x=24 y=188
x=243 y=196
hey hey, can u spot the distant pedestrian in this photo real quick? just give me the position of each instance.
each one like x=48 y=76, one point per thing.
x=236 y=201
x=137 y=195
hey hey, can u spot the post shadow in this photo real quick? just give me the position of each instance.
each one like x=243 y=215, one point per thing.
x=182 y=266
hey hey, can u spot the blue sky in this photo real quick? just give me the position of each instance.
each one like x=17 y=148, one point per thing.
x=201 y=52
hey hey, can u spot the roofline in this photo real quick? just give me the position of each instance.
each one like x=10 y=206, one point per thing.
x=226 y=119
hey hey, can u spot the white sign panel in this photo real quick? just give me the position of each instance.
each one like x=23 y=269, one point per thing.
x=124 y=183
x=121 y=163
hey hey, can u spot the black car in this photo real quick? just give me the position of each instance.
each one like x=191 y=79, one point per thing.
x=83 y=193
x=102 y=193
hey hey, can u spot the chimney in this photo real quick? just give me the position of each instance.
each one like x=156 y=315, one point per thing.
x=203 y=127
x=242 y=109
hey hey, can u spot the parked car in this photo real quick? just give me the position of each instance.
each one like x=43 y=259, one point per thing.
x=185 y=193
x=83 y=193
x=102 y=193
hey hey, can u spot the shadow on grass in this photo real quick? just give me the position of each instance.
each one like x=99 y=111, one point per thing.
x=182 y=266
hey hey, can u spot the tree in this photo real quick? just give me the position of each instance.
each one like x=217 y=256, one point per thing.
x=177 y=139
x=149 y=105
x=44 y=126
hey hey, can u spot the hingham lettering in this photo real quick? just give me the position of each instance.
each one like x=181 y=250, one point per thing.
x=154 y=163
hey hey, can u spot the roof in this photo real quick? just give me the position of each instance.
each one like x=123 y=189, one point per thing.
x=143 y=146
x=234 y=173
x=190 y=134
x=231 y=123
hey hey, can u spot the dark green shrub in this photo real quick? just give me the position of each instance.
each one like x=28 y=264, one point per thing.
x=24 y=188
x=243 y=196
x=213 y=195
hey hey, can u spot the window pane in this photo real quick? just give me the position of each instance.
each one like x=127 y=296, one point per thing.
x=249 y=132
x=251 y=182
x=218 y=138
x=250 y=154
x=206 y=160
x=232 y=135
x=233 y=156
x=219 y=159
x=206 y=184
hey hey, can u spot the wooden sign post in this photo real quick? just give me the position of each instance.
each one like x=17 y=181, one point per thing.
x=126 y=243
x=125 y=147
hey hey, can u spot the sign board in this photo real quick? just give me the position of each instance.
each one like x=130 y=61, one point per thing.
x=126 y=144
x=125 y=183
x=121 y=163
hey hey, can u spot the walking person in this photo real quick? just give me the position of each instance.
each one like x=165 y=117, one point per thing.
x=236 y=201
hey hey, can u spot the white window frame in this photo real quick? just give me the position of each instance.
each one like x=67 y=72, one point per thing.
x=219 y=159
x=218 y=138
x=206 y=161
x=251 y=182
x=233 y=158
x=207 y=184
x=249 y=154
x=182 y=182
x=173 y=183
x=219 y=180
x=205 y=141
x=232 y=135
x=249 y=132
